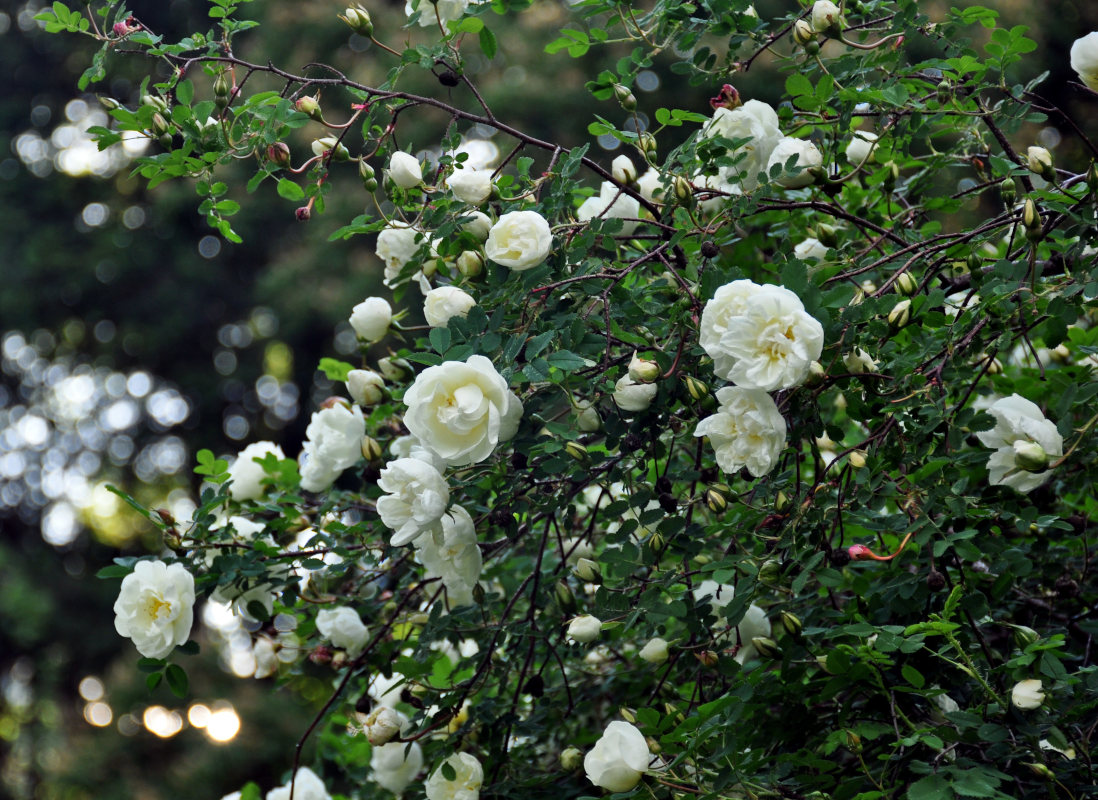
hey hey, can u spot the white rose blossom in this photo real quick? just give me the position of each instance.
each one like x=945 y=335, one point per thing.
x=395 y=765
x=756 y=121
x=415 y=500
x=472 y=186
x=365 y=386
x=382 y=724
x=520 y=240
x=334 y=443
x=468 y=778
x=411 y=447
x=747 y=431
x=715 y=190
x=811 y=249
x=445 y=302
x=623 y=170
x=1019 y=424
x=247 y=476
x=759 y=336
x=861 y=147
x=807 y=156
x=344 y=628
x=371 y=318
x=654 y=651
x=477 y=224
x=405 y=170
x=397 y=245
x=431 y=14
x=1084 y=59
x=155 y=607
x=611 y=203
x=632 y=396
x=824 y=15
x=753 y=624
x=456 y=559
x=462 y=410
x=306 y=786
x=619 y=758
x=650 y=185
x=243 y=592
x=1028 y=694
x=584 y=628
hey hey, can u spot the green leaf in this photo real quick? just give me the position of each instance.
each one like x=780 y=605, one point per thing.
x=538 y=343
x=440 y=339
x=114 y=571
x=153 y=680
x=932 y=787
x=913 y=676
x=150 y=664
x=184 y=92
x=136 y=506
x=797 y=84
x=488 y=44
x=335 y=369
x=290 y=190
x=177 y=680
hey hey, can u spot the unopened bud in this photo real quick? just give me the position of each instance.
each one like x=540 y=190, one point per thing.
x=565 y=599
x=623 y=170
x=371 y=450
x=279 y=154
x=792 y=624
x=576 y=451
x=853 y=742
x=222 y=87
x=900 y=315
x=109 y=103
x=368 y=176
x=643 y=370
x=470 y=263
x=767 y=647
x=1023 y=636
x=816 y=374
x=1041 y=771
x=707 y=658
x=684 y=193
x=310 y=106
x=1060 y=354
x=1008 y=190
x=716 y=499
x=906 y=284
x=394 y=370
x=1030 y=456
x=358 y=19
x=303 y=213
x=587 y=570
x=1031 y=219
x=646 y=143
x=945 y=91
x=159 y=124
x=827 y=234
x=891 y=176
x=857 y=459
x=695 y=388
x=803 y=33
x=1092 y=177
x=625 y=97
x=1039 y=161
x=331 y=147
x=155 y=102
x=781 y=502
x=571 y=758
x=770 y=572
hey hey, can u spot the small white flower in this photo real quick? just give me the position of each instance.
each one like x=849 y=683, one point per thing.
x=632 y=396
x=610 y=203
x=623 y=170
x=472 y=186
x=431 y=13
x=396 y=246
x=155 y=607
x=807 y=156
x=824 y=15
x=415 y=500
x=811 y=248
x=1038 y=159
x=405 y=170
x=1084 y=59
x=411 y=447
x=1018 y=420
x=650 y=185
x=370 y=319
x=861 y=147
x=382 y=724
x=584 y=628
x=334 y=443
x=619 y=758
x=247 y=476
x=456 y=558
x=395 y=765
x=468 y=778
x=343 y=628
x=365 y=386
x=754 y=623
x=445 y=302
x=1027 y=695
x=756 y=122
x=859 y=361
x=520 y=240
x=332 y=145
x=307 y=786
x=655 y=651
x=478 y=224
x=747 y=431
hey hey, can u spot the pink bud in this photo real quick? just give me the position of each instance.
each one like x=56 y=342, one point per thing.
x=303 y=213
x=859 y=552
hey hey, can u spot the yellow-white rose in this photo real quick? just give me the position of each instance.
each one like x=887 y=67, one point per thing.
x=468 y=777
x=520 y=240
x=747 y=431
x=445 y=302
x=619 y=758
x=472 y=186
x=807 y=156
x=1084 y=59
x=155 y=607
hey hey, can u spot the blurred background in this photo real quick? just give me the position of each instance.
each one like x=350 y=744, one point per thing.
x=132 y=335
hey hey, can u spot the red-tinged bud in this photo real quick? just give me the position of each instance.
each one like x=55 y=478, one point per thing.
x=728 y=98
x=320 y=655
x=859 y=552
x=334 y=401
x=279 y=153
x=303 y=214
x=308 y=105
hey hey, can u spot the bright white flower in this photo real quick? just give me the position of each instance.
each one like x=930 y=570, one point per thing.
x=650 y=185
x=462 y=411
x=382 y=724
x=472 y=186
x=807 y=156
x=405 y=170
x=619 y=758
x=584 y=628
x=445 y=302
x=519 y=240
x=1027 y=695
x=334 y=443
x=365 y=386
x=747 y=431
x=247 y=475
x=155 y=607
x=468 y=777
x=266 y=660
x=411 y=447
x=343 y=628
x=395 y=765
x=756 y=121
x=1084 y=59
x=859 y=361
x=481 y=154
x=307 y=786
x=330 y=144
x=754 y=623
x=811 y=248
x=396 y=246
x=478 y=225
x=1019 y=422
x=1038 y=159
x=432 y=13
x=611 y=203
x=862 y=146
x=655 y=651
x=456 y=559
x=387 y=691
x=623 y=170
x=824 y=15
x=760 y=336
x=719 y=187
x=632 y=396
x=415 y=500
x=371 y=318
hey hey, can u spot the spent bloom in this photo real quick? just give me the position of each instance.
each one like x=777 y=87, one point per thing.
x=747 y=431
x=343 y=628
x=1024 y=442
x=619 y=758
x=520 y=240
x=155 y=607
x=415 y=500
x=468 y=777
x=247 y=475
x=1084 y=59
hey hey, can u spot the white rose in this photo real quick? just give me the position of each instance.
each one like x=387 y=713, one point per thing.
x=395 y=765
x=859 y=361
x=519 y=240
x=623 y=170
x=756 y=121
x=716 y=190
x=397 y=245
x=330 y=144
x=479 y=154
x=247 y=476
x=371 y=318
x=478 y=224
x=587 y=417
x=431 y=14
x=1084 y=59
x=1038 y=159
x=472 y=186
x=456 y=559
x=811 y=248
x=334 y=443
x=747 y=431
x=1027 y=695
x=365 y=386
x=650 y=185
x=343 y=628
x=462 y=410
x=754 y=623
x=610 y=203
x=411 y=447
x=445 y=302
x=655 y=651
x=619 y=758
x=155 y=607
x=382 y=724
x=1018 y=421
x=807 y=156
x=405 y=170
x=468 y=777
x=415 y=500
x=632 y=396
x=861 y=147
x=824 y=15
x=307 y=786
x=584 y=628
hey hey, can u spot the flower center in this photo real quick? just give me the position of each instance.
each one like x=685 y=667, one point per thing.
x=156 y=607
